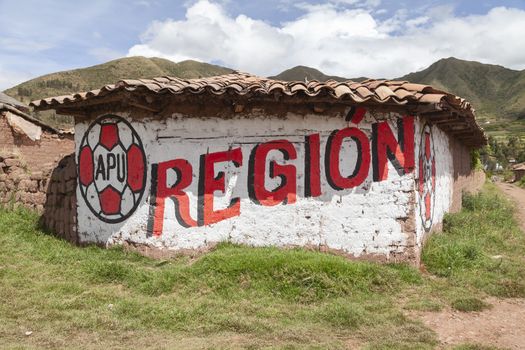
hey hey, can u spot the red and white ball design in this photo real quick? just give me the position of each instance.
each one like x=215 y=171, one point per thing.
x=111 y=168
x=427 y=177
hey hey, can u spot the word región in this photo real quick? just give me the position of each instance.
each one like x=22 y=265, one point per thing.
x=373 y=154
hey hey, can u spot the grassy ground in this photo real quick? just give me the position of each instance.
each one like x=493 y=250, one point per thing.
x=240 y=297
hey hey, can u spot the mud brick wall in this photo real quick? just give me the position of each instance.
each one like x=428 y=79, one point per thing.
x=466 y=179
x=35 y=154
x=60 y=207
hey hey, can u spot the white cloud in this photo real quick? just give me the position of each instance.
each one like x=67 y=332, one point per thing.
x=338 y=40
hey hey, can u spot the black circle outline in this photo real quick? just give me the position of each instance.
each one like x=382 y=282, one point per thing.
x=434 y=196
x=136 y=139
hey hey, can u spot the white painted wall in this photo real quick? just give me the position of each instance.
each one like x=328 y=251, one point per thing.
x=362 y=220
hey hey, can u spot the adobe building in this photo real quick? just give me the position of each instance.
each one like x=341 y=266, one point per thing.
x=37 y=145
x=30 y=152
x=519 y=171
x=362 y=169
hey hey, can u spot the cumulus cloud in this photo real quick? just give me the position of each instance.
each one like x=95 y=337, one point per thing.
x=338 y=40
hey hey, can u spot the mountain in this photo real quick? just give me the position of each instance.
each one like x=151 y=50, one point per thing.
x=94 y=77
x=491 y=89
x=301 y=73
x=497 y=93
x=85 y=79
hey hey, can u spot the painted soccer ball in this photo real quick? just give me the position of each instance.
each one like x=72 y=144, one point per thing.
x=111 y=168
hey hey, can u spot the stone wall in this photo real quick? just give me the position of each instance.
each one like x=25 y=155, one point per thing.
x=20 y=186
x=51 y=192
x=36 y=173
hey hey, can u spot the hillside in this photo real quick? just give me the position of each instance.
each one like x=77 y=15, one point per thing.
x=497 y=93
x=492 y=89
x=302 y=72
x=94 y=77
x=84 y=79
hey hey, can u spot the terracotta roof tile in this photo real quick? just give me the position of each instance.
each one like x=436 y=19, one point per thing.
x=368 y=91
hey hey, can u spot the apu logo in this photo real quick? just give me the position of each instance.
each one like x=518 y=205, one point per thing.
x=111 y=168
x=427 y=177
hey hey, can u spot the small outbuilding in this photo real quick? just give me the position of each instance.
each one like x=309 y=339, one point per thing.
x=365 y=169
x=519 y=171
x=37 y=144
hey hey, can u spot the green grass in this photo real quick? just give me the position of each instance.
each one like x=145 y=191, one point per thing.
x=241 y=297
x=481 y=247
x=469 y=304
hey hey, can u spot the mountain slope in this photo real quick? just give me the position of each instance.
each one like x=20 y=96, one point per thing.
x=94 y=77
x=493 y=90
x=301 y=73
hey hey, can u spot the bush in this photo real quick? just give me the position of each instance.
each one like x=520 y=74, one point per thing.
x=469 y=304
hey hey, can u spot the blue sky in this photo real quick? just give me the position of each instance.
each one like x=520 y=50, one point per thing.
x=345 y=37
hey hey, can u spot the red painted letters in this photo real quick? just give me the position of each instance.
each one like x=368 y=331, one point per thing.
x=312 y=166
x=286 y=191
x=400 y=152
x=263 y=169
x=208 y=184
x=176 y=192
x=333 y=151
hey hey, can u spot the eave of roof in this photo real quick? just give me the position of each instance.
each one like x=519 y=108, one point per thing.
x=369 y=92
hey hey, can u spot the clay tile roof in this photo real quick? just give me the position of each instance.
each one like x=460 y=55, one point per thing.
x=242 y=84
x=519 y=166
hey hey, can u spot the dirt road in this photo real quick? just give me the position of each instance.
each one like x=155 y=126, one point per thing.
x=517 y=195
x=503 y=325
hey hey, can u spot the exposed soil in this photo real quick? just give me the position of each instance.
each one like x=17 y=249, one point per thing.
x=503 y=325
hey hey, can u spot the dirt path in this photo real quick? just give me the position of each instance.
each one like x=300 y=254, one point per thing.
x=502 y=326
x=518 y=195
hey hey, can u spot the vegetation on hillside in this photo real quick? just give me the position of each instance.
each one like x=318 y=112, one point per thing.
x=302 y=73
x=241 y=297
x=498 y=152
x=497 y=93
x=85 y=79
